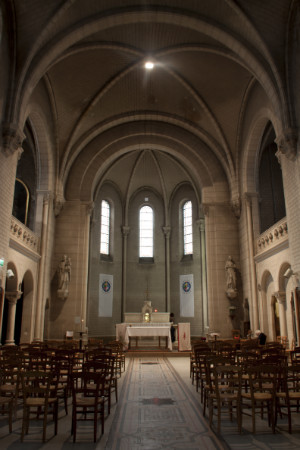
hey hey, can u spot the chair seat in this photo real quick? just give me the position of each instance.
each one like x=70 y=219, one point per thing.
x=294 y=395
x=88 y=401
x=258 y=396
x=38 y=401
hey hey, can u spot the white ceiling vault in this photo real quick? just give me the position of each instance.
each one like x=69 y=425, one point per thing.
x=109 y=115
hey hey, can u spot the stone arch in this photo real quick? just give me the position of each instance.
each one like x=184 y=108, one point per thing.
x=250 y=156
x=100 y=154
x=44 y=154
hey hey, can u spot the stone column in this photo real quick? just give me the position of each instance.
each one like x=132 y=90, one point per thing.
x=281 y=298
x=201 y=225
x=87 y=210
x=12 y=298
x=39 y=322
x=125 y=233
x=11 y=139
x=167 y=233
x=252 y=269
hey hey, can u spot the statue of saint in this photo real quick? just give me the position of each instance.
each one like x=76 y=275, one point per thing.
x=64 y=273
x=230 y=268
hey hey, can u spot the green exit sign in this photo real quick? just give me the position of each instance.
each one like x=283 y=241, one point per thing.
x=1 y=262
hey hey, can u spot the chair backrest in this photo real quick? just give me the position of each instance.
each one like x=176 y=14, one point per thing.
x=264 y=379
x=227 y=380
x=100 y=367
x=37 y=384
x=87 y=384
x=293 y=377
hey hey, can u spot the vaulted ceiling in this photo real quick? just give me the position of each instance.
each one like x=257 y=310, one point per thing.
x=209 y=57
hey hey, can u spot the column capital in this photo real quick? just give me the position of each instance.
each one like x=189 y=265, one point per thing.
x=205 y=208
x=248 y=196
x=58 y=204
x=89 y=208
x=201 y=224
x=125 y=230
x=13 y=296
x=167 y=231
x=11 y=138
x=287 y=143
x=236 y=205
x=280 y=296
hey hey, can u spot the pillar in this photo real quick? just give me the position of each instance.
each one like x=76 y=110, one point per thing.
x=39 y=316
x=281 y=298
x=125 y=233
x=12 y=298
x=252 y=268
x=167 y=233
x=205 y=321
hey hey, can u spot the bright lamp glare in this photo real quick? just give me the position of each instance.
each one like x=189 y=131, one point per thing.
x=149 y=65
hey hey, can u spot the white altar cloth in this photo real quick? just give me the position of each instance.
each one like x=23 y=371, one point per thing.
x=159 y=331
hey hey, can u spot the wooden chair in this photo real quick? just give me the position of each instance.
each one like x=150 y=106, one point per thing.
x=226 y=393
x=39 y=398
x=289 y=397
x=262 y=393
x=88 y=390
x=6 y=403
x=10 y=385
x=212 y=361
x=62 y=365
x=295 y=355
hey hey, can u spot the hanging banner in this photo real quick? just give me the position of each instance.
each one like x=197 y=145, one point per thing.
x=187 y=295
x=105 y=295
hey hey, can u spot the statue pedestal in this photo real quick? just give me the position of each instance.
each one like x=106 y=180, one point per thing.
x=231 y=293
x=62 y=294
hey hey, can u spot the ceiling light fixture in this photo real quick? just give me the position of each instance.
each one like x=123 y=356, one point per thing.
x=149 y=65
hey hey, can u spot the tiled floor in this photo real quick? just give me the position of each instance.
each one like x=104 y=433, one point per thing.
x=158 y=408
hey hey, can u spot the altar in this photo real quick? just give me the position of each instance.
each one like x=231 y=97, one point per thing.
x=145 y=324
x=138 y=331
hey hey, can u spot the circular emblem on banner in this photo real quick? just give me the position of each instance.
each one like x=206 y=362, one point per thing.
x=106 y=286
x=186 y=286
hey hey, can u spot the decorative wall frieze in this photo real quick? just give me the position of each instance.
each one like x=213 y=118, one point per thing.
x=287 y=143
x=24 y=236
x=272 y=237
x=11 y=139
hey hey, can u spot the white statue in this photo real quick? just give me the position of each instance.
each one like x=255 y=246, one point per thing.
x=230 y=269
x=64 y=275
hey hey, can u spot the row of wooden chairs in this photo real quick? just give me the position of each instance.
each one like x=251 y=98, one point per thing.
x=42 y=375
x=241 y=382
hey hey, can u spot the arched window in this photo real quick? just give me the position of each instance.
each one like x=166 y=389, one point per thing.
x=187 y=212
x=105 y=228
x=146 y=232
x=272 y=202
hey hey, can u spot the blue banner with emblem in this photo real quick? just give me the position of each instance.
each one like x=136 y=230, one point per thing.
x=187 y=295
x=105 y=295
